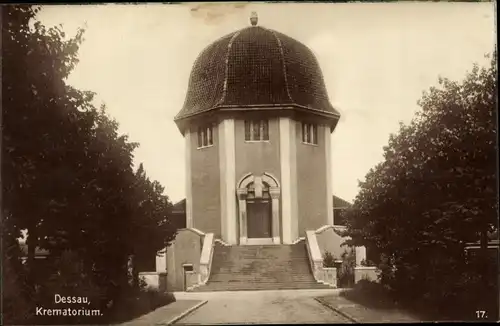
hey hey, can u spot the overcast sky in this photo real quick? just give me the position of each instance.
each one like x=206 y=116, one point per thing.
x=376 y=59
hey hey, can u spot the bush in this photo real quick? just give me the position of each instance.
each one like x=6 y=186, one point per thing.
x=69 y=278
x=17 y=306
x=328 y=260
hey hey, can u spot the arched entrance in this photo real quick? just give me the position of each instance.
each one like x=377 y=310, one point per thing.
x=258 y=204
x=259 y=213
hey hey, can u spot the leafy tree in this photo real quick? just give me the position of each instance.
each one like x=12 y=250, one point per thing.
x=435 y=191
x=67 y=173
x=39 y=123
x=153 y=230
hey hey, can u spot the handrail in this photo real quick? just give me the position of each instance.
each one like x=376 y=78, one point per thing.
x=315 y=258
x=198 y=232
x=206 y=257
x=329 y=226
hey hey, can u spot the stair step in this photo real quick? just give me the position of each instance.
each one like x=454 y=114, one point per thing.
x=255 y=281
x=266 y=267
x=207 y=288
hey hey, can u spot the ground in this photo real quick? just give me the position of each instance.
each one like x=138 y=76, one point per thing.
x=371 y=313
x=273 y=307
x=165 y=315
x=260 y=307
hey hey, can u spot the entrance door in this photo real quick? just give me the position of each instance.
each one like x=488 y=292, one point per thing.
x=259 y=218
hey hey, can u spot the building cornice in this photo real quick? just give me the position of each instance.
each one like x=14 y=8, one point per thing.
x=330 y=118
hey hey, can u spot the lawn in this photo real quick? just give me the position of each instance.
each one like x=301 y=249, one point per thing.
x=374 y=297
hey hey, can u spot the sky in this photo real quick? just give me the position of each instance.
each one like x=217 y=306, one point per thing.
x=376 y=59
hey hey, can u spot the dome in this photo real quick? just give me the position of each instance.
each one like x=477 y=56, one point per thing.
x=256 y=68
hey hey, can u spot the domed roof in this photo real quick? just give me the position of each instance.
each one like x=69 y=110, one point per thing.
x=254 y=68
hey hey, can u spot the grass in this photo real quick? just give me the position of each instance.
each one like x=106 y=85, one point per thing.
x=371 y=295
x=374 y=296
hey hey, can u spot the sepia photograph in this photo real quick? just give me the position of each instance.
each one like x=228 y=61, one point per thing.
x=230 y=163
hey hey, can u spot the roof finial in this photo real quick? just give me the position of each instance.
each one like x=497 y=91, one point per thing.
x=254 y=18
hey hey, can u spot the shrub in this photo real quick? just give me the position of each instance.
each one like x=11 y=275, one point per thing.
x=17 y=306
x=69 y=278
x=328 y=260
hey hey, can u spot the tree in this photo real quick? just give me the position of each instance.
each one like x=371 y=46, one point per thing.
x=436 y=189
x=68 y=174
x=154 y=229
x=39 y=121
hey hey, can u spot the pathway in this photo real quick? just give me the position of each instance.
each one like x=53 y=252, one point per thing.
x=258 y=307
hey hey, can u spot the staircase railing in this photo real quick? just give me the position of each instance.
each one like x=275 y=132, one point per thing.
x=321 y=274
x=207 y=253
x=205 y=264
x=315 y=259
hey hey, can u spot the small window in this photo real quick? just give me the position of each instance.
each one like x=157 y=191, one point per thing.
x=205 y=136
x=256 y=130
x=310 y=133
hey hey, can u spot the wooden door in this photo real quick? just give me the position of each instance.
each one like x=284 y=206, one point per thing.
x=259 y=219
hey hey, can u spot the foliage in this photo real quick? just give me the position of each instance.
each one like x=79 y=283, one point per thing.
x=328 y=259
x=370 y=294
x=68 y=176
x=340 y=217
x=435 y=191
x=16 y=303
x=69 y=278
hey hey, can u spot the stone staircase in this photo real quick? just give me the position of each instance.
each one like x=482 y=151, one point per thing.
x=266 y=267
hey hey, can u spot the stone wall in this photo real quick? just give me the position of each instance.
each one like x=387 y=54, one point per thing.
x=154 y=280
x=331 y=241
x=327 y=238
x=324 y=275
x=185 y=250
x=365 y=273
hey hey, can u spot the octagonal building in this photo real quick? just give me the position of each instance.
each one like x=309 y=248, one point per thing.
x=257 y=123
